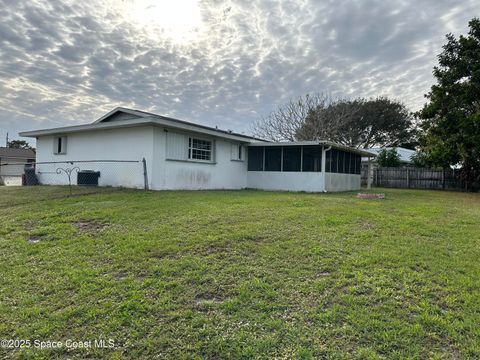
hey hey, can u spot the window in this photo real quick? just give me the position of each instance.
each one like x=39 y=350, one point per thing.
x=237 y=152
x=199 y=149
x=60 y=145
x=273 y=158
x=255 y=158
x=312 y=158
x=292 y=158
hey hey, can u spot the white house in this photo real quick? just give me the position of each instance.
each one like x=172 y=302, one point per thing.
x=183 y=155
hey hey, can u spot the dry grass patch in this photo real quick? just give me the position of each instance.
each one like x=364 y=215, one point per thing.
x=89 y=226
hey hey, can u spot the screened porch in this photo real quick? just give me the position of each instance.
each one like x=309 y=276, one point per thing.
x=303 y=158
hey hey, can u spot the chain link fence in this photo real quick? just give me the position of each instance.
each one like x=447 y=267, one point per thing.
x=71 y=178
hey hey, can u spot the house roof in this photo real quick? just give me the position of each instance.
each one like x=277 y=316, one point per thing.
x=362 y=152
x=16 y=153
x=133 y=118
x=405 y=154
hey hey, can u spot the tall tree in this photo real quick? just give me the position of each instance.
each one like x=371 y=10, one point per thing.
x=360 y=123
x=19 y=144
x=451 y=118
x=283 y=123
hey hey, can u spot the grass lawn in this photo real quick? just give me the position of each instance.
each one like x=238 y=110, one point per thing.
x=241 y=274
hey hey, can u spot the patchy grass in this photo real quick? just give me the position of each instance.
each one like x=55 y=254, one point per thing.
x=241 y=274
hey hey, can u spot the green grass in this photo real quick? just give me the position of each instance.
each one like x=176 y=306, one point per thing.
x=241 y=274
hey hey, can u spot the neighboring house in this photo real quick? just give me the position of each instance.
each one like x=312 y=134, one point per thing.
x=183 y=155
x=12 y=164
x=404 y=154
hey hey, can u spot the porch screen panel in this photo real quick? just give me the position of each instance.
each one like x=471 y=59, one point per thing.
x=255 y=158
x=347 y=163
x=353 y=164
x=328 y=161
x=341 y=161
x=312 y=158
x=358 y=164
x=292 y=156
x=334 y=165
x=273 y=158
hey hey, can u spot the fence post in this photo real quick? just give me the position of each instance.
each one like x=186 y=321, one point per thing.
x=145 y=177
x=408 y=178
x=369 y=174
x=443 y=179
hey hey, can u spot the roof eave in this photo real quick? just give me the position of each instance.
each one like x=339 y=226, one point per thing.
x=149 y=120
x=120 y=109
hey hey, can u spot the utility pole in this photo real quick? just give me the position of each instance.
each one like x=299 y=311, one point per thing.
x=7 y=141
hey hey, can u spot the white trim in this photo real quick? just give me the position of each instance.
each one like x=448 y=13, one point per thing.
x=63 y=147
x=193 y=161
x=237 y=152
x=190 y=149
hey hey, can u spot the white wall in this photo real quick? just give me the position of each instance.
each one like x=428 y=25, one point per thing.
x=222 y=173
x=288 y=181
x=342 y=182
x=116 y=144
x=134 y=144
x=302 y=181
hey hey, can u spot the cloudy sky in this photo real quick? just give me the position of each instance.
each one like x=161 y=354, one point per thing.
x=219 y=62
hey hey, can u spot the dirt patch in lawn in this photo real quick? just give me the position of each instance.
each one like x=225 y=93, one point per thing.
x=371 y=196
x=120 y=275
x=33 y=239
x=367 y=225
x=89 y=226
x=30 y=225
x=206 y=300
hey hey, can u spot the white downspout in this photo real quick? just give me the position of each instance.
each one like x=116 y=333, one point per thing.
x=324 y=160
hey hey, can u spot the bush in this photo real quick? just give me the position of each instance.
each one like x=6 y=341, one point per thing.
x=388 y=158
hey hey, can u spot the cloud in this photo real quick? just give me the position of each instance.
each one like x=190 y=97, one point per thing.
x=68 y=62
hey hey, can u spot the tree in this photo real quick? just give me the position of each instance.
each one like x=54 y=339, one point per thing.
x=283 y=123
x=451 y=117
x=19 y=144
x=388 y=158
x=361 y=123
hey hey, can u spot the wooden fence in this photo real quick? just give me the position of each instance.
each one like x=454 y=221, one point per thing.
x=415 y=178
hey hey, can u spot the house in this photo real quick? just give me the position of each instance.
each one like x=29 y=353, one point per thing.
x=12 y=163
x=405 y=156
x=184 y=155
